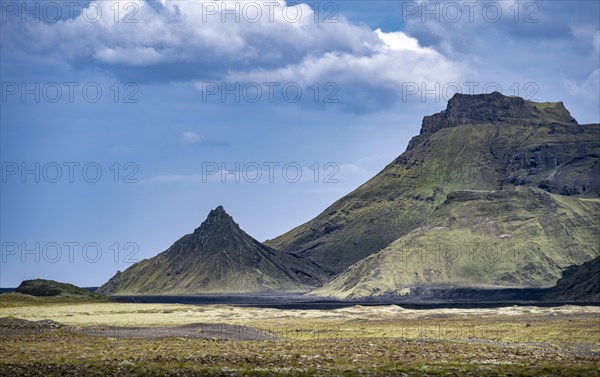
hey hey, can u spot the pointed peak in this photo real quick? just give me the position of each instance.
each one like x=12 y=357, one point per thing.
x=219 y=209
x=218 y=213
x=217 y=218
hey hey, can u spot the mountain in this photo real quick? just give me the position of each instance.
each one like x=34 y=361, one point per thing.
x=495 y=192
x=490 y=174
x=218 y=257
x=47 y=288
x=519 y=238
x=483 y=142
x=578 y=283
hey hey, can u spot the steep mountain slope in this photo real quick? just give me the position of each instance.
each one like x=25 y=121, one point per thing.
x=218 y=257
x=484 y=142
x=518 y=238
x=578 y=283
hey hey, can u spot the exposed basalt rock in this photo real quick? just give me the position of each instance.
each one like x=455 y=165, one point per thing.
x=492 y=109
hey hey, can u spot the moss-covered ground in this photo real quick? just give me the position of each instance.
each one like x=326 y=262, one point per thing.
x=359 y=340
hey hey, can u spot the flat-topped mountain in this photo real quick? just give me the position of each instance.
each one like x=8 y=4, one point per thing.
x=490 y=170
x=218 y=257
x=495 y=108
x=480 y=142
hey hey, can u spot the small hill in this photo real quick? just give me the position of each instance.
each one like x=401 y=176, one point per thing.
x=578 y=283
x=51 y=288
x=218 y=257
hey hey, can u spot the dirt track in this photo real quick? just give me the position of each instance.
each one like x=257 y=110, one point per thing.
x=214 y=331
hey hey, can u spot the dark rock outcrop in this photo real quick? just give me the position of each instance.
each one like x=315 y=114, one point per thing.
x=494 y=108
x=578 y=283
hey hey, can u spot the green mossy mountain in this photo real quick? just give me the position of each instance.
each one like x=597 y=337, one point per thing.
x=487 y=143
x=218 y=257
x=518 y=238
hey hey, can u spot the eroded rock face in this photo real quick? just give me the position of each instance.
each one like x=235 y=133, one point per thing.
x=492 y=109
x=556 y=169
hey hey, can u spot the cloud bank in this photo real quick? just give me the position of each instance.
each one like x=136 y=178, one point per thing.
x=231 y=42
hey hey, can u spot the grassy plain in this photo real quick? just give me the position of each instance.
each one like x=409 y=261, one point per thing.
x=358 y=340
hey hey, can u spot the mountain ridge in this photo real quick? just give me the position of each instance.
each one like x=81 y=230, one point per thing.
x=488 y=172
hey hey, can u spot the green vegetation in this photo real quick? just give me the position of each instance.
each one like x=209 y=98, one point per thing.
x=480 y=239
x=13 y=299
x=368 y=341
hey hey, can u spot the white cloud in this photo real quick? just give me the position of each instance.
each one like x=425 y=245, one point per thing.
x=137 y=56
x=588 y=34
x=587 y=89
x=188 y=41
x=398 y=41
x=189 y=137
x=365 y=82
x=195 y=31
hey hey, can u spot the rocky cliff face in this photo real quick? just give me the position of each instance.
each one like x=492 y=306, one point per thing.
x=495 y=108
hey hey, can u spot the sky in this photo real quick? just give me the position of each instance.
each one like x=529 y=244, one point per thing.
x=123 y=123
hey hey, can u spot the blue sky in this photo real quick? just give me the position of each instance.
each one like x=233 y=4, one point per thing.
x=118 y=117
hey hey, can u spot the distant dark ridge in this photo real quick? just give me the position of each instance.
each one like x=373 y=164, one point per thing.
x=469 y=298
x=49 y=288
x=7 y=290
